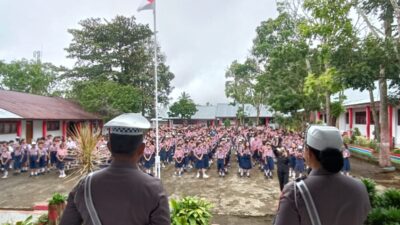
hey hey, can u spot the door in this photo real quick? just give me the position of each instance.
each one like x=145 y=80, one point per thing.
x=29 y=131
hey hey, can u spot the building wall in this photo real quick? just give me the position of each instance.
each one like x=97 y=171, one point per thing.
x=56 y=132
x=7 y=137
x=37 y=129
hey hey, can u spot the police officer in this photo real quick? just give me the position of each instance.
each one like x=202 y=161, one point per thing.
x=120 y=194
x=325 y=196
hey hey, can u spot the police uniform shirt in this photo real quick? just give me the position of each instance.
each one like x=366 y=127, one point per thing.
x=339 y=200
x=122 y=195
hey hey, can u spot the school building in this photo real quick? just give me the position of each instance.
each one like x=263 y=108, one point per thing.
x=359 y=115
x=31 y=116
x=215 y=115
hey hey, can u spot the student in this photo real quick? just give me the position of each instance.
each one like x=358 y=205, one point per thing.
x=268 y=156
x=179 y=161
x=43 y=158
x=221 y=155
x=53 y=152
x=198 y=154
x=346 y=160
x=148 y=158
x=34 y=155
x=300 y=167
x=163 y=153
x=292 y=160
x=18 y=155
x=61 y=153
x=24 y=161
x=5 y=161
x=244 y=159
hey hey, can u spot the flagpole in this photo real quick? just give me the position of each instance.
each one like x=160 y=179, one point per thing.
x=158 y=166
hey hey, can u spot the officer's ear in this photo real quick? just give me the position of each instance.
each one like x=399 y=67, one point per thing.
x=140 y=150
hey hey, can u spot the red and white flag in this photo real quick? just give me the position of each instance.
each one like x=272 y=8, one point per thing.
x=146 y=5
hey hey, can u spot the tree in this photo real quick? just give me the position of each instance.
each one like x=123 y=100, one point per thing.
x=28 y=76
x=283 y=51
x=329 y=28
x=184 y=108
x=240 y=82
x=107 y=98
x=385 y=12
x=120 y=50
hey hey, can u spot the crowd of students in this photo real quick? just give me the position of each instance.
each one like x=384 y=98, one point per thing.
x=37 y=158
x=187 y=148
x=198 y=147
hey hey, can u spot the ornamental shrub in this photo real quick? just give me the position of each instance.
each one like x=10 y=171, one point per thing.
x=190 y=211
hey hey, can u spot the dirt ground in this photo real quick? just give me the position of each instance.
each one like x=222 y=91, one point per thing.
x=236 y=200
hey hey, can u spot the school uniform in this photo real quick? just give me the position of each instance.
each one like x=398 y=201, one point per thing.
x=245 y=162
x=43 y=158
x=346 y=160
x=269 y=160
x=221 y=160
x=206 y=158
x=199 y=162
x=178 y=156
x=33 y=157
x=18 y=155
x=148 y=152
x=53 y=154
x=300 y=166
x=6 y=158
x=61 y=154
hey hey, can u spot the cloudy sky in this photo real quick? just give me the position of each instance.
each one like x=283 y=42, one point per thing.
x=199 y=37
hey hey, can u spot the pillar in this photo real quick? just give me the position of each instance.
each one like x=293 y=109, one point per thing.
x=64 y=130
x=266 y=121
x=318 y=116
x=368 y=114
x=350 y=110
x=78 y=127
x=44 y=128
x=19 y=128
x=390 y=109
x=91 y=126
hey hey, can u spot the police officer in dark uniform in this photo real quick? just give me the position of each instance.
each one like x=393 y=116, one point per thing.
x=325 y=196
x=120 y=194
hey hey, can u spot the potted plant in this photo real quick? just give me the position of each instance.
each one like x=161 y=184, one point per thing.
x=190 y=210
x=56 y=207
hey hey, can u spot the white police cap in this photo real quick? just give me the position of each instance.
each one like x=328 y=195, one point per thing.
x=132 y=124
x=323 y=137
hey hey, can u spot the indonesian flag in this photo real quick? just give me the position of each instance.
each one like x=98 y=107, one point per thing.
x=146 y=5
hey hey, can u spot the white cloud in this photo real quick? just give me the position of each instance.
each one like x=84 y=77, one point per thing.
x=199 y=37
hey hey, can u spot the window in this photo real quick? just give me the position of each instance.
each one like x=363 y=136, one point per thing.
x=361 y=118
x=8 y=127
x=347 y=118
x=53 y=125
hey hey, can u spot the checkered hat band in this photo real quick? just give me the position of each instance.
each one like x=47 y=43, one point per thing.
x=126 y=131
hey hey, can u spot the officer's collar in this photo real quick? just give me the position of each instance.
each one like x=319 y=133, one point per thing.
x=321 y=171
x=122 y=164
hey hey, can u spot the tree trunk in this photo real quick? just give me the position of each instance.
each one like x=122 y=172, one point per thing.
x=377 y=129
x=328 y=108
x=258 y=115
x=384 y=154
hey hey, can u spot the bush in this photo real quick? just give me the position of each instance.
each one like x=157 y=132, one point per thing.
x=347 y=140
x=384 y=216
x=190 y=211
x=396 y=151
x=374 y=145
x=362 y=141
x=57 y=199
x=385 y=207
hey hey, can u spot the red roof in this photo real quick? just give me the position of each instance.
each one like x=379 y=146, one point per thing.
x=31 y=106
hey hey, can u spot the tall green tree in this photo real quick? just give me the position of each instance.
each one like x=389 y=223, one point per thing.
x=120 y=50
x=329 y=28
x=241 y=84
x=30 y=76
x=184 y=108
x=283 y=51
x=383 y=11
x=107 y=98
